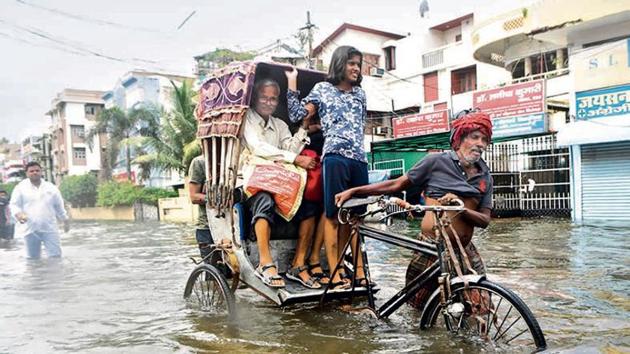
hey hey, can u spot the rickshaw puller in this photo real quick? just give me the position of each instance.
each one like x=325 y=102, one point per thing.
x=459 y=173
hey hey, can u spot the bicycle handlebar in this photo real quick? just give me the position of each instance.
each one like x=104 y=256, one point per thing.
x=344 y=211
x=417 y=207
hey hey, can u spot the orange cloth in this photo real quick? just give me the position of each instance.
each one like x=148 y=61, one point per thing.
x=469 y=123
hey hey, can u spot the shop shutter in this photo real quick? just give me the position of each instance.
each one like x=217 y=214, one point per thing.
x=606 y=182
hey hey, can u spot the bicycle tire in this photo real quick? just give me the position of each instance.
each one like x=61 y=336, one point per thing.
x=201 y=281
x=432 y=313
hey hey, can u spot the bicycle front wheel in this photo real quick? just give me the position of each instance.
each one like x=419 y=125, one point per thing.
x=485 y=312
x=208 y=290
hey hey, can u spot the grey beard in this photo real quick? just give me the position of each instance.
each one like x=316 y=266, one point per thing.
x=471 y=160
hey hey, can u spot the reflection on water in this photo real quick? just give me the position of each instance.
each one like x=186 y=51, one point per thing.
x=119 y=288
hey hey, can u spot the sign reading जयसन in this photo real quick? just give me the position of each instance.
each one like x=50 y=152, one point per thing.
x=515 y=110
x=602 y=103
x=421 y=124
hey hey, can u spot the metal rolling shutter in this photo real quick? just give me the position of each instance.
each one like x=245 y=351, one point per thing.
x=606 y=182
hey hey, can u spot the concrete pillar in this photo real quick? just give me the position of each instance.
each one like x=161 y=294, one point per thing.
x=559 y=59
x=528 y=66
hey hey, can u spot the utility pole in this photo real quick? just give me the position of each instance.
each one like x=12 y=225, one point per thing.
x=309 y=37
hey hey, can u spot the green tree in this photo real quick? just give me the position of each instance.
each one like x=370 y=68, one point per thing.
x=223 y=56
x=176 y=144
x=124 y=130
x=80 y=191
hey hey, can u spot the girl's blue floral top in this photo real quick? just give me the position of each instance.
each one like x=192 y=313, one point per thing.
x=342 y=117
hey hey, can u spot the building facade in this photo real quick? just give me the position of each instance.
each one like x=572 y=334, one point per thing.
x=137 y=89
x=580 y=51
x=73 y=114
x=11 y=164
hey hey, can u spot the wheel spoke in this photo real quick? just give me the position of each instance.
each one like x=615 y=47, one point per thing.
x=502 y=322
x=204 y=293
x=511 y=339
x=510 y=326
x=447 y=321
x=459 y=325
x=196 y=287
x=490 y=311
x=211 y=300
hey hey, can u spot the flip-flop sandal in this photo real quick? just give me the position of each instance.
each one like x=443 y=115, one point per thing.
x=362 y=282
x=318 y=275
x=267 y=279
x=340 y=285
x=294 y=274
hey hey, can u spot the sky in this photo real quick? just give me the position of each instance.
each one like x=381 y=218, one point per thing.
x=47 y=46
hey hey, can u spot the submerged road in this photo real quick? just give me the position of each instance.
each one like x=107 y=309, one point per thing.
x=119 y=288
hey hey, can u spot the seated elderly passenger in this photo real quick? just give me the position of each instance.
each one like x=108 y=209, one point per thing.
x=269 y=137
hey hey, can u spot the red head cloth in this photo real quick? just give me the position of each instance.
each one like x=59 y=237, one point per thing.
x=469 y=123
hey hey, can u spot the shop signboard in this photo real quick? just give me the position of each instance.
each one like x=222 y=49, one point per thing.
x=602 y=103
x=515 y=110
x=421 y=124
x=601 y=66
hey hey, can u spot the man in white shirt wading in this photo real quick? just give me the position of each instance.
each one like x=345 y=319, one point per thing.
x=37 y=205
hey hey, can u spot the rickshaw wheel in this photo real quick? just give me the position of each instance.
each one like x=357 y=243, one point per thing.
x=208 y=290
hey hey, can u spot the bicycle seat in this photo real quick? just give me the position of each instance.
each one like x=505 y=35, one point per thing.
x=356 y=202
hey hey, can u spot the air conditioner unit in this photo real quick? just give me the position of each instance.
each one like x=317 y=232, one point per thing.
x=381 y=130
x=378 y=72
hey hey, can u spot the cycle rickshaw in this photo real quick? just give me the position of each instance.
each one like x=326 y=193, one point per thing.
x=465 y=303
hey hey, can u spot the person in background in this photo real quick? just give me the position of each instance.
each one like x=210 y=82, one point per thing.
x=196 y=191
x=6 y=226
x=37 y=205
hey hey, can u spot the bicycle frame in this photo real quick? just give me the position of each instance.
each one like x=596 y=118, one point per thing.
x=437 y=271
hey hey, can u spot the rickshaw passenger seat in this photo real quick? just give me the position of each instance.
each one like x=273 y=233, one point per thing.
x=281 y=230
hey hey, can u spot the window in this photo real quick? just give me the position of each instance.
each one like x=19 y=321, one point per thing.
x=431 y=87
x=458 y=37
x=78 y=153
x=369 y=61
x=390 y=58
x=464 y=80
x=78 y=156
x=78 y=132
x=90 y=110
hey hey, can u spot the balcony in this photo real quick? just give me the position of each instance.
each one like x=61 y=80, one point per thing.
x=557 y=81
x=517 y=33
x=454 y=54
x=492 y=37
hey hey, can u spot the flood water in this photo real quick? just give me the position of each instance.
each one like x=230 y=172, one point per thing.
x=119 y=288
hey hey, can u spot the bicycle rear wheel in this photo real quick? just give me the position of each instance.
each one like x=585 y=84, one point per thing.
x=485 y=312
x=208 y=290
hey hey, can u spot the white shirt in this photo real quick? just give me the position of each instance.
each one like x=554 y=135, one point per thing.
x=42 y=205
x=272 y=140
